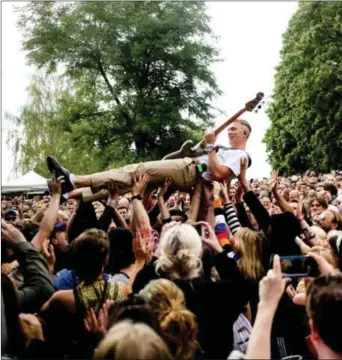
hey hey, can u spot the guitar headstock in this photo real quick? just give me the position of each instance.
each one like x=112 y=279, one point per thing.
x=251 y=105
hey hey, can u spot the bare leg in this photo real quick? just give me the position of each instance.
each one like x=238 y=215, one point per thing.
x=82 y=181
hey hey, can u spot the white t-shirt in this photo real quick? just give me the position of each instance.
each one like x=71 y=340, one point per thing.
x=230 y=158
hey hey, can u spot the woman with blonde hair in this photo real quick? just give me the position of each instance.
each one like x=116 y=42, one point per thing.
x=126 y=341
x=248 y=246
x=178 y=325
x=216 y=304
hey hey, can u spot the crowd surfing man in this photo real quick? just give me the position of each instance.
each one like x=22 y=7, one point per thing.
x=219 y=165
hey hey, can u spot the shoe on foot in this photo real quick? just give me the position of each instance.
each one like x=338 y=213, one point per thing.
x=55 y=167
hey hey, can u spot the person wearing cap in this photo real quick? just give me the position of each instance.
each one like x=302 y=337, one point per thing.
x=61 y=246
x=10 y=215
x=218 y=164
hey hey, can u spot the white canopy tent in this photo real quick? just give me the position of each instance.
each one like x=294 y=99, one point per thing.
x=29 y=182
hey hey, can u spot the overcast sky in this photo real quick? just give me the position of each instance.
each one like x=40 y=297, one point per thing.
x=250 y=38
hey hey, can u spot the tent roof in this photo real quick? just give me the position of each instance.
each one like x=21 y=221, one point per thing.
x=30 y=181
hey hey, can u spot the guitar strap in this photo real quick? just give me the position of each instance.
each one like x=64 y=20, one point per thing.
x=218 y=147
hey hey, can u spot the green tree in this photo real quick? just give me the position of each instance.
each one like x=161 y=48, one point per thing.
x=141 y=70
x=306 y=111
x=48 y=124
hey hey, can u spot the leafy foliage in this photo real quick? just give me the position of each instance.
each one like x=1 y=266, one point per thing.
x=139 y=74
x=306 y=112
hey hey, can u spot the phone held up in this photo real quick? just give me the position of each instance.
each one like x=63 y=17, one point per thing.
x=298 y=266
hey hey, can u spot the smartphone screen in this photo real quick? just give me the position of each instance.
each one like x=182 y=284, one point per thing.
x=298 y=266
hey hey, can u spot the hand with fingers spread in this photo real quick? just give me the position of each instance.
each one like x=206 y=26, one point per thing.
x=224 y=191
x=274 y=182
x=216 y=189
x=56 y=185
x=143 y=245
x=49 y=255
x=209 y=237
x=162 y=190
x=139 y=184
x=11 y=235
x=324 y=267
x=272 y=286
x=97 y=324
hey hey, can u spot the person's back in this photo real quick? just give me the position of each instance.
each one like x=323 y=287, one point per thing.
x=324 y=308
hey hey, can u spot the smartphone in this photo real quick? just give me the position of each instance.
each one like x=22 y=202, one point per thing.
x=298 y=266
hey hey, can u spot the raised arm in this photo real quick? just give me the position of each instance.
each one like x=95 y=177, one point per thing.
x=140 y=219
x=219 y=171
x=283 y=204
x=195 y=202
x=164 y=211
x=50 y=216
x=229 y=211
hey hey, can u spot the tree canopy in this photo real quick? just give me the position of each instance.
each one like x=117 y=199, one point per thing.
x=306 y=111
x=139 y=77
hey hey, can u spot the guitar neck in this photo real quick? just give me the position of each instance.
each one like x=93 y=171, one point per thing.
x=222 y=127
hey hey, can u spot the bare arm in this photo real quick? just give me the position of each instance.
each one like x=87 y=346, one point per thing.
x=219 y=171
x=283 y=204
x=50 y=216
x=164 y=211
x=195 y=202
x=140 y=219
x=112 y=202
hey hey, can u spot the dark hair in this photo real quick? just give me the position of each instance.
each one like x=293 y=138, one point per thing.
x=121 y=250
x=89 y=251
x=177 y=212
x=320 y=201
x=331 y=188
x=324 y=308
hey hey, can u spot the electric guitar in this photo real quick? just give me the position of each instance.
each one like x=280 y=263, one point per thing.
x=188 y=149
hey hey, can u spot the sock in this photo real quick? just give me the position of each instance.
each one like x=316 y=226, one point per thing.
x=72 y=178
x=66 y=196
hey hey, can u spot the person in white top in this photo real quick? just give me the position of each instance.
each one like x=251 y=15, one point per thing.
x=222 y=164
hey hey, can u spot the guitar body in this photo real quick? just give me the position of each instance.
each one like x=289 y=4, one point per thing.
x=188 y=149
x=184 y=151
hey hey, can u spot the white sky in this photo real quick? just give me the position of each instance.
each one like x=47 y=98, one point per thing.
x=249 y=39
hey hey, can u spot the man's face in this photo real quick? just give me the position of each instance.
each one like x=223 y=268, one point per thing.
x=237 y=134
x=60 y=239
x=327 y=220
x=316 y=208
x=123 y=212
x=303 y=189
x=294 y=195
x=266 y=202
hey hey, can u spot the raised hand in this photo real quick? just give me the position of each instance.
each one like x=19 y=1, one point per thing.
x=162 y=190
x=143 y=245
x=210 y=138
x=216 y=189
x=139 y=184
x=239 y=194
x=97 y=325
x=243 y=169
x=224 y=191
x=275 y=182
x=272 y=286
x=56 y=185
x=209 y=237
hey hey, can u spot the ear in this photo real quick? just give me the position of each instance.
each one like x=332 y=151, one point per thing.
x=313 y=332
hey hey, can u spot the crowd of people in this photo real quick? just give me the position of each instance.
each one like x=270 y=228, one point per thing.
x=174 y=274
x=176 y=259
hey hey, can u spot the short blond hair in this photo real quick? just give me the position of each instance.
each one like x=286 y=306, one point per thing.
x=126 y=341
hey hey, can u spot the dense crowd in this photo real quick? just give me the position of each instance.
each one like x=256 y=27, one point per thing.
x=161 y=274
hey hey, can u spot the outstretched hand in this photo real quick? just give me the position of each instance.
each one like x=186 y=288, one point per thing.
x=11 y=235
x=97 y=324
x=274 y=182
x=162 y=190
x=56 y=185
x=243 y=169
x=139 y=184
